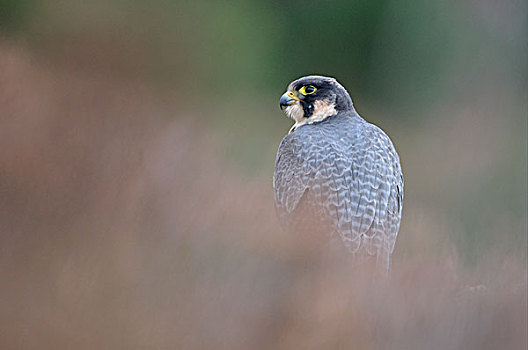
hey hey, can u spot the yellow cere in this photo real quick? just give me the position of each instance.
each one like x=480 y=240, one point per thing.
x=307 y=90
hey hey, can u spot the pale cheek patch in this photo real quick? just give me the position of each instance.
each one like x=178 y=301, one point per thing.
x=322 y=110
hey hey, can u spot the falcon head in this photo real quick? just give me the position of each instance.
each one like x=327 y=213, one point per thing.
x=314 y=98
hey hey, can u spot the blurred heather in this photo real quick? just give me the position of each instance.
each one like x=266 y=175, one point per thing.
x=137 y=142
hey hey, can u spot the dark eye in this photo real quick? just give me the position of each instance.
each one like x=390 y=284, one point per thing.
x=307 y=90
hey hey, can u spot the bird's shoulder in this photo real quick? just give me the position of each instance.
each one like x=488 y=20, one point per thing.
x=331 y=129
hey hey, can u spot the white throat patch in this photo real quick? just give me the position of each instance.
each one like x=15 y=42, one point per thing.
x=295 y=112
x=322 y=110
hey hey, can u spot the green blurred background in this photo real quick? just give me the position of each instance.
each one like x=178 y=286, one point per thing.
x=445 y=79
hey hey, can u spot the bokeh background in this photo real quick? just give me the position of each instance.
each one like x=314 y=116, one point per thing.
x=137 y=143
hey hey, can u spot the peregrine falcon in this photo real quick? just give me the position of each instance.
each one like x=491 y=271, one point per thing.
x=337 y=178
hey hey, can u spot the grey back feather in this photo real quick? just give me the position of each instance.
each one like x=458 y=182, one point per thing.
x=352 y=176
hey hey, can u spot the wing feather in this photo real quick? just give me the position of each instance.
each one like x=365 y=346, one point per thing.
x=354 y=179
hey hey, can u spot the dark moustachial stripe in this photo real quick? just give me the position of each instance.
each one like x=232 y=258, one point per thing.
x=308 y=109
